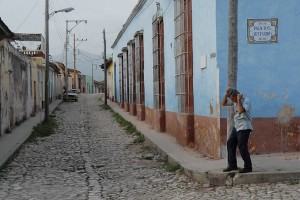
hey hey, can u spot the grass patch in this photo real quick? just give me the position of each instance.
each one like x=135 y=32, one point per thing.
x=146 y=148
x=173 y=167
x=43 y=129
x=56 y=109
x=139 y=138
x=293 y=182
x=120 y=120
x=131 y=129
x=128 y=127
x=105 y=107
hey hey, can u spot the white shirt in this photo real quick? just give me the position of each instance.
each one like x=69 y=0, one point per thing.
x=243 y=121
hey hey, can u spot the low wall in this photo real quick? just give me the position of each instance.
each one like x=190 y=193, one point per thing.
x=15 y=88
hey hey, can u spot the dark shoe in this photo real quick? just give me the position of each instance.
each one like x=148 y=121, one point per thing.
x=228 y=169
x=245 y=170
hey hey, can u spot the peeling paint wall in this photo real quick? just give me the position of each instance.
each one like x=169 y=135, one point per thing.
x=267 y=73
x=37 y=87
x=16 y=97
x=110 y=81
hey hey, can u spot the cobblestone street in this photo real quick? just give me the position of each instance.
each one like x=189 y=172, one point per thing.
x=91 y=157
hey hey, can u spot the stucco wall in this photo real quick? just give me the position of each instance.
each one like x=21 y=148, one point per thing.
x=206 y=72
x=267 y=73
x=110 y=81
x=143 y=21
x=16 y=101
x=37 y=82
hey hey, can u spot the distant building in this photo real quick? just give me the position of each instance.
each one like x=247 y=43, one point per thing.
x=74 y=82
x=83 y=83
x=110 y=79
x=62 y=82
x=89 y=84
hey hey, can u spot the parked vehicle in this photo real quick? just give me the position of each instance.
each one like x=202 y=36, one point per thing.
x=72 y=95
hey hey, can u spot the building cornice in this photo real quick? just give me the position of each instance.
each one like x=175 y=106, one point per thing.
x=134 y=12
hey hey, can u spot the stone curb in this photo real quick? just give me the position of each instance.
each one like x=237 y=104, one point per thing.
x=213 y=177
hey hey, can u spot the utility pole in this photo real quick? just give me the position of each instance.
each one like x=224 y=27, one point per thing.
x=66 y=62
x=47 y=62
x=92 y=77
x=75 y=72
x=66 y=49
x=47 y=17
x=232 y=57
x=105 y=74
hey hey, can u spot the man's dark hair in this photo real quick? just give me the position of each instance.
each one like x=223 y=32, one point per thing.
x=232 y=92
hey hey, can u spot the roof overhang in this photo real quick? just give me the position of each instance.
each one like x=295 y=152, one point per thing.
x=4 y=31
x=28 y=37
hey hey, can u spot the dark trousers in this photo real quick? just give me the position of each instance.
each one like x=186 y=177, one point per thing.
x=238 y=139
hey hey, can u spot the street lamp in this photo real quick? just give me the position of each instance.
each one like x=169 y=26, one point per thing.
x=61 y=10
x=47 y=17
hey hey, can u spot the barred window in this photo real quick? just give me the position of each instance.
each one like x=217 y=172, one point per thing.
x=183 y=55
x=158 y=63
x=131 y=68
x=120 y=56
x=139 y=68
x=125 y=75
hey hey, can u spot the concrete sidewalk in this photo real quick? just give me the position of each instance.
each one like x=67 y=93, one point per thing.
x=266 y=168
x=11 y=142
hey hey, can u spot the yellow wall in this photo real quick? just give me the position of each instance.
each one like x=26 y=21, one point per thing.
x=110 y=81
x=38 y=60
x=40 y=83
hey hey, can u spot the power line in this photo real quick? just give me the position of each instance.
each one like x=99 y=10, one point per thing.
x=27 y=15
x=86 y=55
x=57 y=30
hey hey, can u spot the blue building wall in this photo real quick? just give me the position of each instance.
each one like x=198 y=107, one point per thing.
x=267 y=73
x=169 y=34
x=143 y=21
x=206 y=77
x=88 y=82
x=222 y=9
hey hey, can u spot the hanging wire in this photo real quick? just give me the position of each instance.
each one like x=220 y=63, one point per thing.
x=58 y=29
x=56 y=22
x=25 y=19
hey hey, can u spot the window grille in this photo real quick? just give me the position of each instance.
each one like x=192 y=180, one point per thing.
x=158 y=63
x=121 y=78
x=125 y=75
x=131 y=68
x=183 y=55
x=139 y=68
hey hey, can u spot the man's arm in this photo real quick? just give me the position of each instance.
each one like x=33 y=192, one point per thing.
x=239 y=105
x=225 y=101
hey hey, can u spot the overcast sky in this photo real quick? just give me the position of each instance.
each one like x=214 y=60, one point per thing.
x=27 y=16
